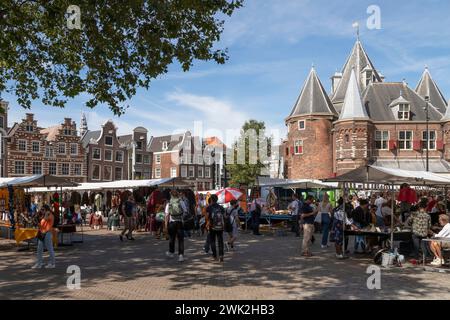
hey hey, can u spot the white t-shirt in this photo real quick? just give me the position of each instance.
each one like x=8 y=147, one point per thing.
x=379 y=203
x=445 y=232
x=294 y=207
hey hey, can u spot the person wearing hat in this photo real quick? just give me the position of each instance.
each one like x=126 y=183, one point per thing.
x=45 y=239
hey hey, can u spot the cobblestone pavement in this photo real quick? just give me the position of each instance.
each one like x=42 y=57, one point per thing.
x=266 y=267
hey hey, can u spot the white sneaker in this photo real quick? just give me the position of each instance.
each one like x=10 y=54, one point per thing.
x=436 y=262
x=170 y=254
x=323 y=247
x=50 y=266
x=339 y=256
x=180 y=258
x=37 y=266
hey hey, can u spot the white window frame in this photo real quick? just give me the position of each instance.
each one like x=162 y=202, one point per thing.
x=55 y=167
x=173 y=172
x=32 y=167
x=111 y=173
x=200 y=172
x=304 y=125
x=381 y=139
x=25 y=145
x=430 y=141
x=62 y=171
x=33 y=143
x=183 y=171
x=76 y=149
x=77 y=165
x=193 y=172
x=406 y=112
x=49 y=152
x=207 y=172
x=121 y=152
x=157 y=173
x=23 y=166
x=112 y=155
x=99 y=152
x=405 y=140
x=112 y=141
x=99 y=172
x=165 y=145
x=297 y=145
x=157 y=158
x=59 y=148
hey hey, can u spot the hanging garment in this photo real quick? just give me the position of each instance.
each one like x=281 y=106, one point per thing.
x=98 y=202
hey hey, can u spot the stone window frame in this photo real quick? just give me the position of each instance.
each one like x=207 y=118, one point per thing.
x=99 y=172
x=189 y=171
x=173 y=172
x=112 y=141
x=157 y=173
x=304 y=125
x=434 y=140
x=405 y=140
x=59 y=148
x=50 y=153
x=382 y=140
x=62 y=171
x=76 y=165
x=183 y=171
x=35 y=165
x=55 y=166
x=297 y=145
x=112 y=155
x=33 y=144
x=207 y=172
x=99 y=153
x=119 y=152
x=200 y=172
x=76 y=149
x=25 y=145
x=23 y=166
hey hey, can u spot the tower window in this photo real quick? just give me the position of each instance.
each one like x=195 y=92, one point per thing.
x=301 y=125
x=298 y=147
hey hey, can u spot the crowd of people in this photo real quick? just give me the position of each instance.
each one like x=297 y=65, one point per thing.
x=424 y=215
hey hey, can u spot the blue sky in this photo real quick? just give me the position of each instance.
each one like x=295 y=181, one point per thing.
x=272 y=44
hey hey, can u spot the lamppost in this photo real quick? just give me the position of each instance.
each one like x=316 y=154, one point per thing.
x=427 y=99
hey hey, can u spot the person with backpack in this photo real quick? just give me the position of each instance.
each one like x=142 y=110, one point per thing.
x=129 y=210
x=232 y=222
x=216 y=226
x=175 y=210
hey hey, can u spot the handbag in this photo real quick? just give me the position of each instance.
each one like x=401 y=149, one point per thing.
x=41 y=235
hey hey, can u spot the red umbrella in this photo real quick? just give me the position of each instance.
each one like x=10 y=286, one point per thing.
x=228 y=194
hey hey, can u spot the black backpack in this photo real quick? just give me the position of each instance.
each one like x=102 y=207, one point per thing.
x=217 y=220
x=227 y=221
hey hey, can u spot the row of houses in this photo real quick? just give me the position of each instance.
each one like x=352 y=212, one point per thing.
x=84 y=155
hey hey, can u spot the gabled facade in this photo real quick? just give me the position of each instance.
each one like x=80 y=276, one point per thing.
x=366 y=120
x=55 y=150
x=182 y=156
x=106 y=157
x=139 y=156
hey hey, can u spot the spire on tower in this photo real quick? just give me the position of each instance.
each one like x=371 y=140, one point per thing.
x=83 y=124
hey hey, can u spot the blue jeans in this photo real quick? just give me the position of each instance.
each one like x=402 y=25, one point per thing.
x=326 y=221
x=49 y=246
x=380 y=221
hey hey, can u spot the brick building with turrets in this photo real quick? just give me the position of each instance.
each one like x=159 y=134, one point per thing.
x=366 y=120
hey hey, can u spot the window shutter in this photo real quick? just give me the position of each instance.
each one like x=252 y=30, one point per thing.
x=440 y=145
x=292 y=151
x=392 y=144
x=417 y=145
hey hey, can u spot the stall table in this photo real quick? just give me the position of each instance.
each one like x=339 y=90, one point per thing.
x=24 y=234
x=69 y=229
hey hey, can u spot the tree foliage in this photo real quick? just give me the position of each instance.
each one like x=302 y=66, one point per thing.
x=255 y=156
x=122 y=45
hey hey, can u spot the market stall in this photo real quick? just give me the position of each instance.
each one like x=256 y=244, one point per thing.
x=368 y=176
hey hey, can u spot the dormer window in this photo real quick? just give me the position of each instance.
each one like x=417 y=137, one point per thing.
x=404 y=111
x=301 y=125
x=164 y=145
x=369 y=77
